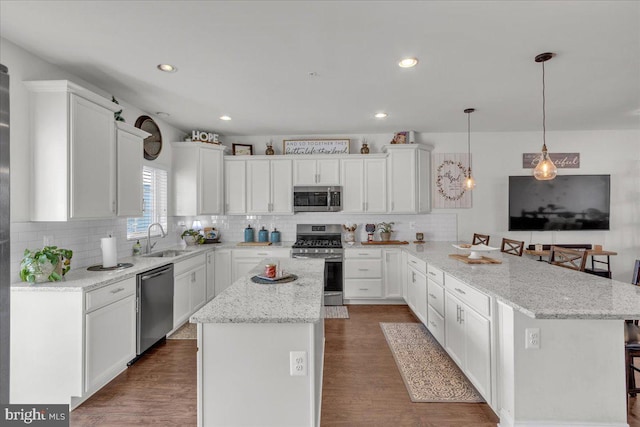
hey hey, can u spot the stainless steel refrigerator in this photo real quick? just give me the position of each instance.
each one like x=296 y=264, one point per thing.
x=5 y=225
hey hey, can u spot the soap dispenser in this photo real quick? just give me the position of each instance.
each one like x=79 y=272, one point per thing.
x=248 y=234
x=263 y=235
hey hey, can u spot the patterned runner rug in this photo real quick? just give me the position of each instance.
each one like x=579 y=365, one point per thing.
x=428 y=372
x=336 y=312
x=185 y=332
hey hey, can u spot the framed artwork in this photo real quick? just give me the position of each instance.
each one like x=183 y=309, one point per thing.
x=450 y=170
x=400 y=138
x=152 y=144
x=242 y=149
x=315 y=146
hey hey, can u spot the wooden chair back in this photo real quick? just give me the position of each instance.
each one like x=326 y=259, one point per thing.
x=568 y=258
x=635 y=280
x=480 y=239
x=513 y=247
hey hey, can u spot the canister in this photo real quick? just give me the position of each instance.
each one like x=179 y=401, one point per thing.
x=275 y=236
x=263 y=235
x=248 y=234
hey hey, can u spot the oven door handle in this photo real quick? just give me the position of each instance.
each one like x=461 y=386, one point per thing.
x=334 y=258
x=300 y=257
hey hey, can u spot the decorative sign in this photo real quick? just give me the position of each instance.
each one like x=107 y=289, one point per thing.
x=315 y=146
x=198 y=135
x=450 y=172
x=561 y=160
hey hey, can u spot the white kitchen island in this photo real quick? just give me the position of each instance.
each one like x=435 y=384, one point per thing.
x=261 y=349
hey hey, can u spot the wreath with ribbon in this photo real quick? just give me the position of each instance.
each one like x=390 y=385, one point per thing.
x=439 y=182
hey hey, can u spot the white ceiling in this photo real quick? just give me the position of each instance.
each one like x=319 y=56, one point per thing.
x=251 y=60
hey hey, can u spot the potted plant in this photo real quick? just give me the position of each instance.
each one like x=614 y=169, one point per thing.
x=49 y=263
x=192 y=237
x=386 y=228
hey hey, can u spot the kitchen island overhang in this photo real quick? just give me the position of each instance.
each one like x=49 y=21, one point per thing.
x=261 y=350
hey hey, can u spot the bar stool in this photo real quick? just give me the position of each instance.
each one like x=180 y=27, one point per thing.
x=568 y=258
x=513 y=247
x=480 y=239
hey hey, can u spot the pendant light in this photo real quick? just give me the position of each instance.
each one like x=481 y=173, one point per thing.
x=545 y=169
x=469 y=182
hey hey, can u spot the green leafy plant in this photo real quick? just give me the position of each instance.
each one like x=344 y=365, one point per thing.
x=49 y=262
x=385 y=227
x=197 y=237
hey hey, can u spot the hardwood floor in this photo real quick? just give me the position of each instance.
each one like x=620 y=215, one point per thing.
x=362 y=385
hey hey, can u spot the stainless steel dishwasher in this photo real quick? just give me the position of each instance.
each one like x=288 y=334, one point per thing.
x=154 y=305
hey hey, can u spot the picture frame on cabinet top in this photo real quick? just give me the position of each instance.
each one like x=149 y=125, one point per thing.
x=152 y=145
x=242 y=149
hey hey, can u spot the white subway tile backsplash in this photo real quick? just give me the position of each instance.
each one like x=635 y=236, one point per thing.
x=83 y=237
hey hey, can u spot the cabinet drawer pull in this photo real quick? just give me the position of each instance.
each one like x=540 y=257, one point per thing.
x=263 y=253
x=363 y=289
x=433 y=324
x=457 y=313
x=115 y=291
x=433 y=296
x=363 y=269
x=413 y=262
x=359 y=253
x=432 y=273
x=460 y=291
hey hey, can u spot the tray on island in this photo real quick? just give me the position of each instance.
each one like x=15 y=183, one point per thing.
x=263 y=280
x=483 y=260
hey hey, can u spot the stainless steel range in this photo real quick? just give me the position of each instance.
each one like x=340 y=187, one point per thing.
x=323 y=241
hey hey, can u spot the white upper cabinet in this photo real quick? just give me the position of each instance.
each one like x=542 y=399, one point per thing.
x=235 y=186
x=129 y=140
x=74 y=152
x=316 y=171
x=409 y=178
x=197 y=179
x=269 y=186
x=364 y=185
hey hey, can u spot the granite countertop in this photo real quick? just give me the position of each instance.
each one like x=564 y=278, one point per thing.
x=537 y=289
x=80 y=279
x=299 y=301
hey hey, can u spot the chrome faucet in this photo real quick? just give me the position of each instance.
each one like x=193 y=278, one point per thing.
x=149 y=245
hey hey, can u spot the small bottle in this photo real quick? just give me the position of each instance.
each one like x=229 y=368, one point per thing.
x=137 y=248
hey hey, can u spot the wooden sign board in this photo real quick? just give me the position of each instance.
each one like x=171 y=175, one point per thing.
x=315 y=146
x=561 y=160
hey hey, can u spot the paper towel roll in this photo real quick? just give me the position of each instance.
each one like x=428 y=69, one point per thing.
x=109 y=252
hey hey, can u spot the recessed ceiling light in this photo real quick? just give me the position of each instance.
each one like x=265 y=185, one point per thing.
x=408 y=62
x=162 y=114
x=380 y=115
x=225 y=118
x=167 y=68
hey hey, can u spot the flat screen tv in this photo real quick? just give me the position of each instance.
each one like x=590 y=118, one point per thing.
x=568 y=202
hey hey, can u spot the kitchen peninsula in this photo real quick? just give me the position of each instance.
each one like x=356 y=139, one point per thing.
x=260 y=350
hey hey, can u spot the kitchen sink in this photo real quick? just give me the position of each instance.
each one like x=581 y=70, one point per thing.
x=166 y=253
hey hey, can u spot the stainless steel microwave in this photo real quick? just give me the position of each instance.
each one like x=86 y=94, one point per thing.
x=317 y=198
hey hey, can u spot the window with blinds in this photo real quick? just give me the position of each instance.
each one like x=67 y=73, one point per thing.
x=154 y=183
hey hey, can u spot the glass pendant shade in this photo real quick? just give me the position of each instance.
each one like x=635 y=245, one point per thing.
x=545 y=169
x=469 y=182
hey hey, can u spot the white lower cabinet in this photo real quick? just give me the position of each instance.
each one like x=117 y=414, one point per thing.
x=189 y=288
x=418 y=293
x=468 y=333
x=245 y=260
x=110 y=336
x=211 y=276
x=222 y=270
x=392 y=270
x=362 y=273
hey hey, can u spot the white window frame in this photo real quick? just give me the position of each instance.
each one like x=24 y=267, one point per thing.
x=155 y=204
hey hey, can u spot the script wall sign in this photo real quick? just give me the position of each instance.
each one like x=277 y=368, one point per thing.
x=561 y=160
x=449 y=174
x=315 y=146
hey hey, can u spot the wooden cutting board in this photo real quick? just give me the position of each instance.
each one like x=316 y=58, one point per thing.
x=484 y=260
x=387 y=242
x=254 y=243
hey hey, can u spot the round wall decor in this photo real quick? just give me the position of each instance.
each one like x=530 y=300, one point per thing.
x=153 y=143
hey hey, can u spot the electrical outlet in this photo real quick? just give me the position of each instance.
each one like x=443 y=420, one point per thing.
x=298 y=363
x=532 y=338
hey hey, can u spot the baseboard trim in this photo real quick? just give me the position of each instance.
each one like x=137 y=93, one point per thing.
x=510 y=423
x=399 y=301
